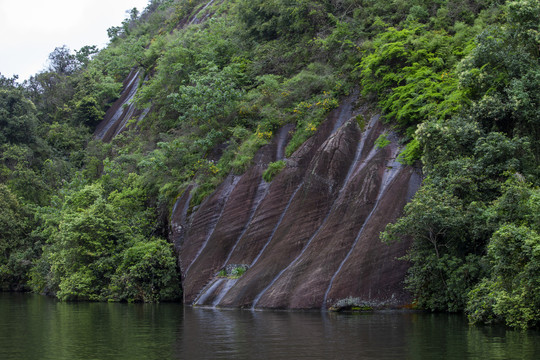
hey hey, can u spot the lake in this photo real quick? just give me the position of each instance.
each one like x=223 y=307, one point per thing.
x=39 y=327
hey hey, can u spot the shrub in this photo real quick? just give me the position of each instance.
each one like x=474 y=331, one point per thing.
x=147 y=273
x=382 y=141
x=273 y=169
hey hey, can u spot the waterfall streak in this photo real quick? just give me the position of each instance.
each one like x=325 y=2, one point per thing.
x=282 y=137
x=357 y=156
x=344 y=115
x=228 y=285
x=196 y=17
x=128 y=116
x=207 y=292
x=132 y=88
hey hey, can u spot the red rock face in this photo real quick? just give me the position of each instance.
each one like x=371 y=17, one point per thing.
x=122 y=111
x=310 y=238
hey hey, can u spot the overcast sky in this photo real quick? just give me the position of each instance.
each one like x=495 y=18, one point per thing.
x=31 y=29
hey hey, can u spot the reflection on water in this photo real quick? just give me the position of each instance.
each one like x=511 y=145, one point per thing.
x=36 y=327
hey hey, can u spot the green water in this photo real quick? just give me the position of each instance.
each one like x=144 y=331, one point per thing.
x=37 y=327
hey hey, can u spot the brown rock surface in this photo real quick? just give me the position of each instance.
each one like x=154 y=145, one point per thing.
x=311 y=236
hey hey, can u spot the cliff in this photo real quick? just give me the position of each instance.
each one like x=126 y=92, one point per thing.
x=310 y=237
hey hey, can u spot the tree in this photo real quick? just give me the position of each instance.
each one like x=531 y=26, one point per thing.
x=8 y=83
x=512 y=293
x=269 y=20
x=99 y=248
x=114 y=32
x=14 y=232
x=85 y=54
x=444 y=263
x=18 y=121
x=147 y=273
x=62 y=61
x=88 y=112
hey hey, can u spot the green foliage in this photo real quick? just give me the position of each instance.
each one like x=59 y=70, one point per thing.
x=410 y=70
x=268 y=20
x=382 y=141
x=511 y=294
x=501 y=72
x=85 y=247
x=61 y=61
x=480 y=163
x=247 y=150
x=238 y=271
x=309 y=114
x=9 y=83
x=15 y=246
x=67 y=141
x=97 y=249
x=147 y=273
x=233 y=271
x=411 y=153
x=88 y=112
x=209 y=99
x=445 y=256
x=273 y=169
x=222 y=273
x=18 y=121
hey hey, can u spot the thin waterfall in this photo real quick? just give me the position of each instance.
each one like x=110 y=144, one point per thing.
x=281 y=138
x=389 y=175
x=229 y=283
x=195 y=19
x=262 y=191
x=186 y=205
x=203 y=246
x=343 y=115
x=131 y=110
x=143 y=114
x=205 y=294
x=282 y=135
x=357 y=155
x=175 y=206
x=131 y=88
x=177 y=227
x=125 y=118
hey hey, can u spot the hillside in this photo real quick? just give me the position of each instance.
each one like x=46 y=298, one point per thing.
x=261 y=153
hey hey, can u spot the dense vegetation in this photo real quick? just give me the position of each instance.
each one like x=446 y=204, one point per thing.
x=87 y=220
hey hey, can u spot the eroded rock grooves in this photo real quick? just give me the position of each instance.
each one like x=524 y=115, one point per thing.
x=309 y=238
x=118 y=116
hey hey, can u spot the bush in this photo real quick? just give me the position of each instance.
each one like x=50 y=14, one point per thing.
x=147 y=273
x=382 y=141
x=14 y=241
x=512 y=294
x=273 y=169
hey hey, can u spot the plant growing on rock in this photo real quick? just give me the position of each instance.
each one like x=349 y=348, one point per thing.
x=273 y=169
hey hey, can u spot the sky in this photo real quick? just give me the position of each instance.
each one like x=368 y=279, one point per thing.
x=31 y=29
